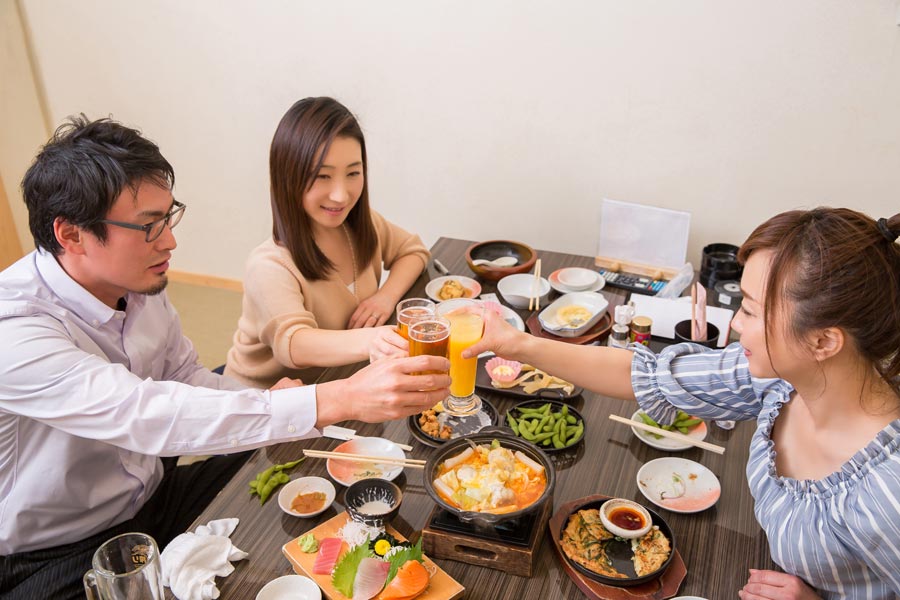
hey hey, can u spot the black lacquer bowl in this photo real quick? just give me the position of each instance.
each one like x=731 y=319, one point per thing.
x=373 y=490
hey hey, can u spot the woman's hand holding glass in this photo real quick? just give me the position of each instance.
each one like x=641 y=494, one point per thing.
x=385 y=342
x=499 y=337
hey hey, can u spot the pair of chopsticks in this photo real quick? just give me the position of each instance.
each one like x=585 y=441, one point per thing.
x=673 y=435
x=413 y=463
x=534 y=301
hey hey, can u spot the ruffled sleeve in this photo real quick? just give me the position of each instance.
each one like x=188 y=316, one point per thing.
x=706 y=384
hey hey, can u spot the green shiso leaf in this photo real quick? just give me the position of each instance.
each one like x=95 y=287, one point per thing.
x=345 y=571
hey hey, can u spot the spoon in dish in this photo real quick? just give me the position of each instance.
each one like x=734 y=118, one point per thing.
x=503 y=261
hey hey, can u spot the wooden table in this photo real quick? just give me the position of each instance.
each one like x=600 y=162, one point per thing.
x=718 y=545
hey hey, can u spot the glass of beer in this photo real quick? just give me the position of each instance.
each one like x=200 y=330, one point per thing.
x=466 y=318
x=410 y=309
x=429 y=335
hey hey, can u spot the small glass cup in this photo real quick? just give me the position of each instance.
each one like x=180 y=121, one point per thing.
x=410 y=309
x=429 y=335
x=466 y=318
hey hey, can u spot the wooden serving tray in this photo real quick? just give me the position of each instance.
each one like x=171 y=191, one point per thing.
x=665 y=586
x=441 y=586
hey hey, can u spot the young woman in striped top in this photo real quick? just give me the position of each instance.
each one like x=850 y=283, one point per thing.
x=817 y=367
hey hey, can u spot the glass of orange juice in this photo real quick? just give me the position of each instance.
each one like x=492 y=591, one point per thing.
x=412 y=309
x=466 y=317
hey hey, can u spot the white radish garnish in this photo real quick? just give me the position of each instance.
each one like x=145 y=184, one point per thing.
x=537 y=468
x=444 y=490
x=455 y=460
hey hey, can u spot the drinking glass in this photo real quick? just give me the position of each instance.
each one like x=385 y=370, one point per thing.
x=466 y=318
x=125 y=567
x=410 y=309
x=429 y=335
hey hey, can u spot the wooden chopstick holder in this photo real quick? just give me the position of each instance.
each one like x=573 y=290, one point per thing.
x=673 y=435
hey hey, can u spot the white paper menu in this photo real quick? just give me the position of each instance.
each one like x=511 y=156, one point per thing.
x=644 y=234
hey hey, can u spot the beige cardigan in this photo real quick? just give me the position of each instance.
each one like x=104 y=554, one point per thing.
x=279 y=301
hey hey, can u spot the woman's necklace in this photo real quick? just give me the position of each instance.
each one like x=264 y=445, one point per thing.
x=352 y=258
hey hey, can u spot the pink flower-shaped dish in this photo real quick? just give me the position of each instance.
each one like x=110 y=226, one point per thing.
x=502 y=370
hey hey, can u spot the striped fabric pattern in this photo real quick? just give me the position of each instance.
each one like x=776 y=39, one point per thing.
x=840 y=534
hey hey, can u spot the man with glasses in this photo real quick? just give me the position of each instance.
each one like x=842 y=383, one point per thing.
x=97 y=380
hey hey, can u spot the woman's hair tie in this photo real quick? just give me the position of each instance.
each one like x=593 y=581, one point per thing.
x=886 y=231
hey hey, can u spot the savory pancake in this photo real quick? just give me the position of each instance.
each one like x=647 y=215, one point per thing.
x=650 y=551
x=583 y=541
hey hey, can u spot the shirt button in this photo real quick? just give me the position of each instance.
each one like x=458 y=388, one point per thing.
x=291 y=429
x=95 y=323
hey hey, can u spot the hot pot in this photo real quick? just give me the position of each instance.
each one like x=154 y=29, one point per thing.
x=485 y=437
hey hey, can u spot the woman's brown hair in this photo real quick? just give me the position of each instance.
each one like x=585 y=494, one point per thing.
x=298 y=149
x=838 y=268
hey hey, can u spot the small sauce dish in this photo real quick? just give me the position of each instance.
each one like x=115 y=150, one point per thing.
x=625 y=519
x=304 y=486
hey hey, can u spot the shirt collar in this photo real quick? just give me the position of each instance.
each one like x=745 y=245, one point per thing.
x=74 y=297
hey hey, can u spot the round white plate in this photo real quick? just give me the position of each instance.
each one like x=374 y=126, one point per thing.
x=293 y=587
x=559 y=287
x=434 y=286
x=347 y=472
x=513 y=318
x=695 y=486
x=698 y=433
x=305 y=485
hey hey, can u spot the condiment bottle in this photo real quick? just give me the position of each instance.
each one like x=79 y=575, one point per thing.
x=618 y=338
x=640 y=330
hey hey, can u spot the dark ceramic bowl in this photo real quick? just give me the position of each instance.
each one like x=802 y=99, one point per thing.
x=373 y=490
x=619 y=552
x=454 y=447
x=494 y=249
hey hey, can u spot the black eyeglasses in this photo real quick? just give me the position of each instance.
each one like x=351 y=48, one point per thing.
x=154 y=229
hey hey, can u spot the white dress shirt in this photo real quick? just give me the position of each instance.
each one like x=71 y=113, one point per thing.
x=90 y=397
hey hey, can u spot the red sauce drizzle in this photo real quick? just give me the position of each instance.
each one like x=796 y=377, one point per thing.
x=626 y=518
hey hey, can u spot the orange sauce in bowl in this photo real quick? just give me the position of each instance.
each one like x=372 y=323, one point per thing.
x=309 y=502
x=626 y=518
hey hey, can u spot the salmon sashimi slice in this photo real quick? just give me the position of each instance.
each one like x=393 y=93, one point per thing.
x=410 y=581
x=329 y=551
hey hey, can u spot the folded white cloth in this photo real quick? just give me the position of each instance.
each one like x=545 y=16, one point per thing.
x=191 y=562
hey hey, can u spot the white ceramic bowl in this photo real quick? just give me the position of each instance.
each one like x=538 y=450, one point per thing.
x=290 y=587
x=593 y=302
x=678 y=484
x=518 y=289
x=557 y=285
x=473 y=288
x=617 y=503
x=698 y=433
x=577 y=278
x=305 y=485
x=348 y=472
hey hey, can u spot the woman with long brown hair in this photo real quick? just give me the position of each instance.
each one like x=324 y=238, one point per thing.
x=311 y=292
x=817 y=367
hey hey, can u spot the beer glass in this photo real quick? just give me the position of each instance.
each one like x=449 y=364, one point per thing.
x=126 y=567
x=466 y=318
x=409 y=309
x=429 y=335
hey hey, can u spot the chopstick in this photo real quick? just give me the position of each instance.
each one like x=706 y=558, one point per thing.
x=382 y=460
x=535 y=299
x=674 y=435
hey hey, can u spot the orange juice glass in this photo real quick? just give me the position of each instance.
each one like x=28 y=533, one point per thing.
x=466 y=318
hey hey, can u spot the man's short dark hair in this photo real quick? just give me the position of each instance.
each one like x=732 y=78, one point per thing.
x=82 y=170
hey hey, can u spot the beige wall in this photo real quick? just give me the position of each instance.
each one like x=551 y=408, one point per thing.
x=499 y=118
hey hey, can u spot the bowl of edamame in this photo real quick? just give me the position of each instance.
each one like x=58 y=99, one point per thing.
x=551 y=425
x=684 y=423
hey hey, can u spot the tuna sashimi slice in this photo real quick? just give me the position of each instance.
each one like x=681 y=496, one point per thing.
x=410 y=581
x=329 y=551
x=370 y=578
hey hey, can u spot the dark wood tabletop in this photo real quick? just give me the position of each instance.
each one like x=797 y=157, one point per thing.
x=718 y=545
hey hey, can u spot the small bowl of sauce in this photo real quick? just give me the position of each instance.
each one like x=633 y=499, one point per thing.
x=306 y=497
x=624 y=518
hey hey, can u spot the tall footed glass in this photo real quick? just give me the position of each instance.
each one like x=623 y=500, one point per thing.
x=466 y=318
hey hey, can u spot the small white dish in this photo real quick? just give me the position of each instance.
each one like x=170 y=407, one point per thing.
x=563 y=289
x=305 y=485
x=290 y=587
x=348 y=472
x=698 y=433
x=596 y=305
x=678 y=484
x=473 y=288
x=577 y=278
x=633 y=509
x=517 y=289
x=513 y=318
